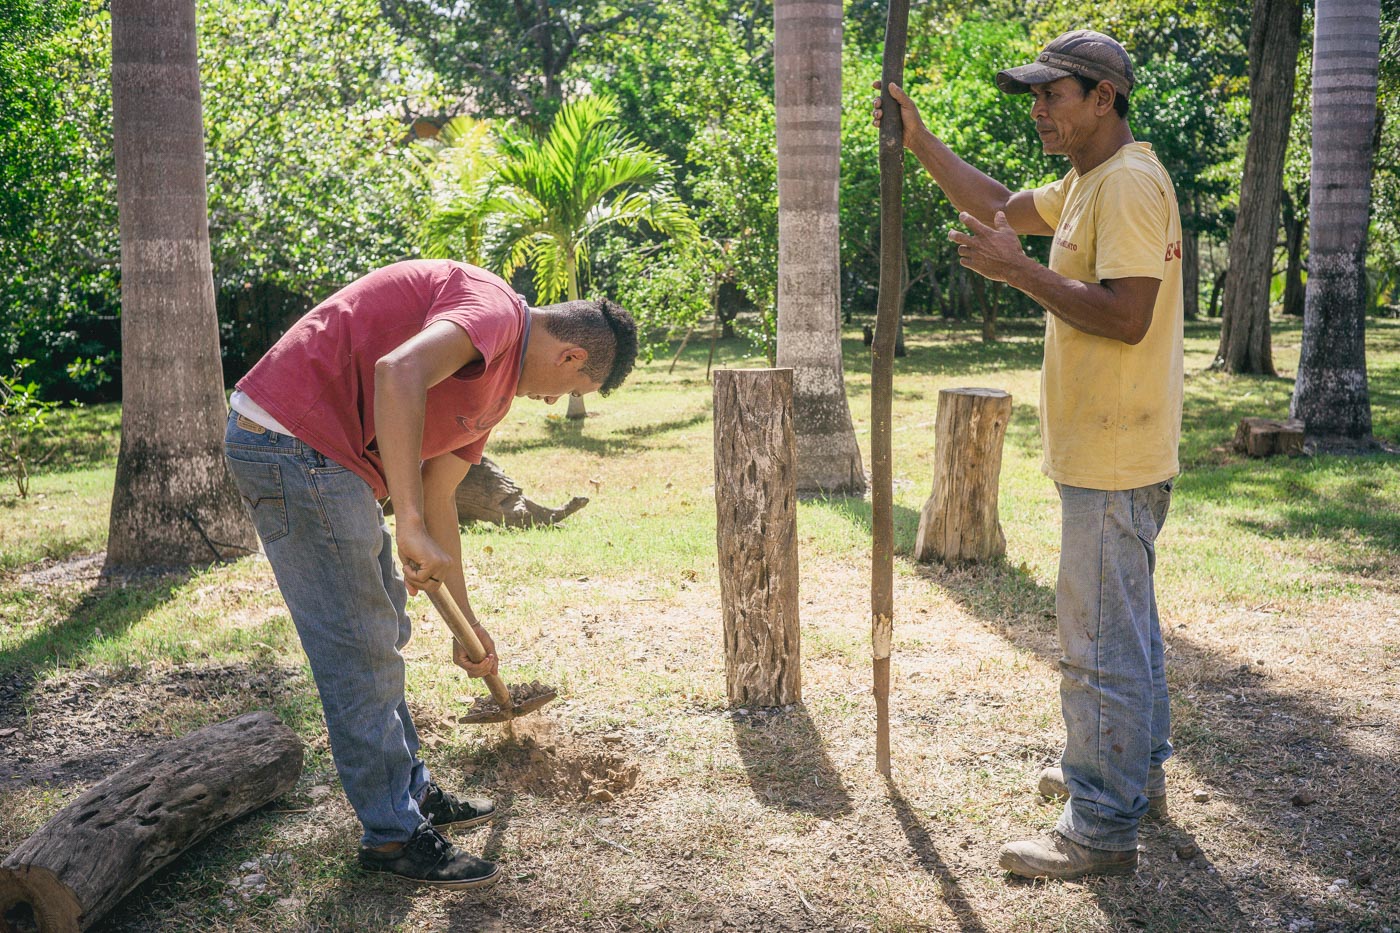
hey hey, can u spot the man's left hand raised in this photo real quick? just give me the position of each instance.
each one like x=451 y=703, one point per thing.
x=993 y=252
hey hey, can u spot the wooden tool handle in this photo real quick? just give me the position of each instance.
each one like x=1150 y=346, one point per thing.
x=462 y=631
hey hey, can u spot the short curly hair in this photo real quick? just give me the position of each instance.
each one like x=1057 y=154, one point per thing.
x=601 y=327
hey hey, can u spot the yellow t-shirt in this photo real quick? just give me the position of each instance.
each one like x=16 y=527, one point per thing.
x=1110 y=413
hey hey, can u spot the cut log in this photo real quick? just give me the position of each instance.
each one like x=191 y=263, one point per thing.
x=756 y=504
x=959 y=522
x=1264 y=437
x=487 y=494
x=79 y=864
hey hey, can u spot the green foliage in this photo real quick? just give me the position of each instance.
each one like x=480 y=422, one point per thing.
x=536 y=198
x=58 y=217
x=24 y=418
x=701 y=90
x=948 y=73
x=670 y=290
x=1383 y=245
x=513 y=56
x=309 y=183
x=460 y=167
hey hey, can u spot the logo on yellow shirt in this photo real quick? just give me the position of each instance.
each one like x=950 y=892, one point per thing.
x=1064 y=242
x=1173 y=251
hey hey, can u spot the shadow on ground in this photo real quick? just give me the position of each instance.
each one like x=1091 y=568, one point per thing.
x=592 y=439
x=926 y=851
x=1256 y=744
x=787 y=764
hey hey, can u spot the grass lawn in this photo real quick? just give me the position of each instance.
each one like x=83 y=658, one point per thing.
x=1279 y=587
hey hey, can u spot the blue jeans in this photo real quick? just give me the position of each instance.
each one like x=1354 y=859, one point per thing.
x=1113 y=686
x=330 y=548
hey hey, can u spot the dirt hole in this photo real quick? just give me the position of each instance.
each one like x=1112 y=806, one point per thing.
x=543 y=759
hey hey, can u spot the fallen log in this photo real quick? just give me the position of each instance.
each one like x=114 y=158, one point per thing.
x=79 y=864
x=487 y=494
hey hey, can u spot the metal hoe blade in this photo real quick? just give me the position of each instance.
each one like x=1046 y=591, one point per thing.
x=497 y=714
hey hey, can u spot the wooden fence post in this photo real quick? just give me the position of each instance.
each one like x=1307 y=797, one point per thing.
x=959 y=522
x=756 y=533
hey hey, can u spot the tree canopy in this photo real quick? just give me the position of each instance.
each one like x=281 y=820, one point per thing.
x=312 y=112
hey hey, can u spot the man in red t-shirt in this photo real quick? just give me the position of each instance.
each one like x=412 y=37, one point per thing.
x=391 y=387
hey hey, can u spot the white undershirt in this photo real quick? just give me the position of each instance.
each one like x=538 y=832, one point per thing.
x=254 y=412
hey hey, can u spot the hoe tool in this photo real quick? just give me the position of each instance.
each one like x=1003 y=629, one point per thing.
x=509 y=702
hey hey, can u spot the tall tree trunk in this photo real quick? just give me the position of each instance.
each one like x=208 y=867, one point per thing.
x=1216 y=285
x=1331 y=396
x=1191 y=264
x=174 y=502
x=807 y=67
x=1245 y=345
x=576 y=410
x=1294 y=223
x=987 y=300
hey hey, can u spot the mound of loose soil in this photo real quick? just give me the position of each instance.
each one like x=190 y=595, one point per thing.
x=542 y=759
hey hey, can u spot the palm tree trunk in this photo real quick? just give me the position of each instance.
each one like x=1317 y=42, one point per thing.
x=1245 y=341
x=807 y=64
x=174 y=502
x=1331 y=395
x=576 y=411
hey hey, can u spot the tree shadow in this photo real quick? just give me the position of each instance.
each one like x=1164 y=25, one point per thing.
x=483 y=913
x=927 y=853
x=1257 y=745
x=938 y=348
x=491 y=848
x=628 y=440
x=104 y=610
x=201 y=874
x=787 y=764
x=1350 y=502
x=65 y=744
x=858 y=513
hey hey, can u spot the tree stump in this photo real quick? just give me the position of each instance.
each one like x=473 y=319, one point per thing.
x=959 y=522
x=756 y=503
x=79 y=864
x=1264 y=437
x=487 y=494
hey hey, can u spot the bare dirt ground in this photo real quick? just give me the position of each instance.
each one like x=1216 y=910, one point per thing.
x=639 y=802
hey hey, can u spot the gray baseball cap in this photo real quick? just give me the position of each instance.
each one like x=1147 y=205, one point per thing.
x=1082 y=52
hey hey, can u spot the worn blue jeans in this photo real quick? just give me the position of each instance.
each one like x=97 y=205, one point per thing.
x=330 y=548
x=1113 y=686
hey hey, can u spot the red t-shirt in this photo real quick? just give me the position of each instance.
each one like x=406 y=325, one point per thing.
x=318 y=380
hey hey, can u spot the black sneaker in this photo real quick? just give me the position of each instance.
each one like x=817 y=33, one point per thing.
x=444 y=808
x=428 y=858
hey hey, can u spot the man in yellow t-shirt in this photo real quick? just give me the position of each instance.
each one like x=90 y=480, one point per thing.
x=1110 y=414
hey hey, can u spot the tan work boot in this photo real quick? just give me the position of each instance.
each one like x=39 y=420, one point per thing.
x=1052 y=785
x=1057 y=857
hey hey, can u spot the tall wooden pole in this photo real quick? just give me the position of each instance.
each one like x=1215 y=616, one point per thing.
x=882 y=374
